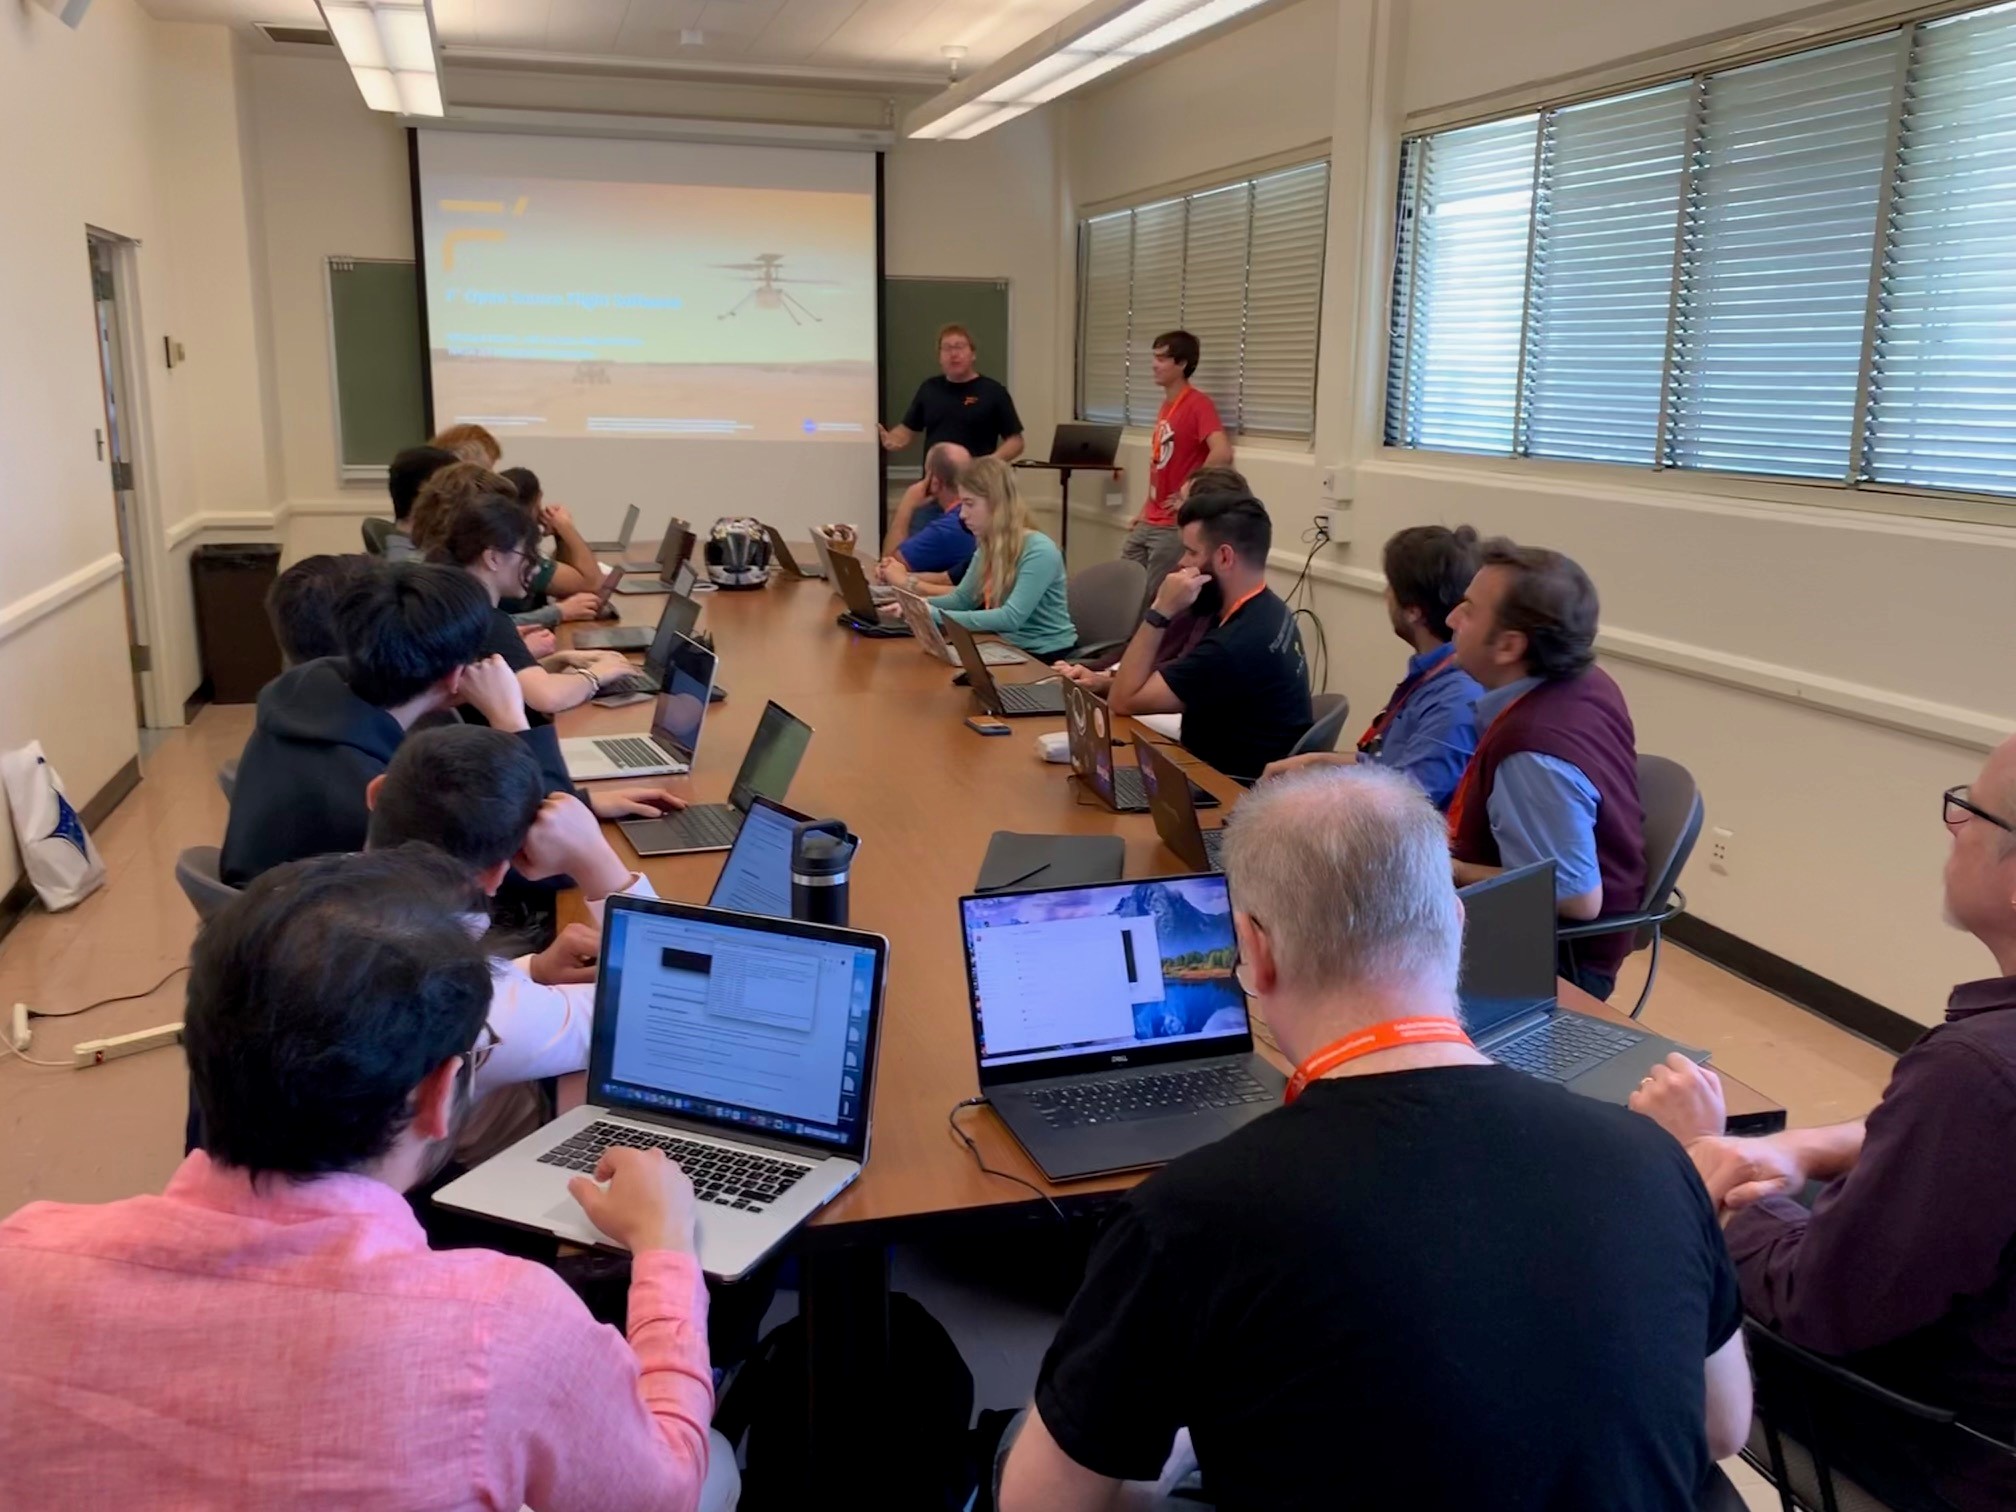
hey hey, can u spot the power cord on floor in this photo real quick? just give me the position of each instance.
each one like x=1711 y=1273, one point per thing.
x=952 y=1120
x=15 y=1036
x=124 y=997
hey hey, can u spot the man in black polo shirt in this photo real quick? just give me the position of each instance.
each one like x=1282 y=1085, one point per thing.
x=1243 y=691
x=1430 y=1282
x=962 y=406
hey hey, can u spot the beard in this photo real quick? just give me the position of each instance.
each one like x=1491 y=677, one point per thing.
x=1210 y=598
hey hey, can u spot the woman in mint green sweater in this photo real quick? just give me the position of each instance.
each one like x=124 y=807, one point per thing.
x=1014 y=586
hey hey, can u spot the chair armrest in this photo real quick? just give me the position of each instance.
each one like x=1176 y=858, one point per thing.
x=1099 y=655
x=1676 y=905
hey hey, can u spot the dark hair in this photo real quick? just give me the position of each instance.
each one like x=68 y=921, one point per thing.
x=1236 y=520
x=526 y=482
x=1218 y=480
x=1182 y=347
x=301 y=605
x=1550 y=600
x=409 y=472
x=1429 y=568
x=319 y=1000
x=406 y=625
x=466 y=510
x=464 y=789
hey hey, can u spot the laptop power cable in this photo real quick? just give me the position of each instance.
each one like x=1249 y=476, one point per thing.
x=952 y=1119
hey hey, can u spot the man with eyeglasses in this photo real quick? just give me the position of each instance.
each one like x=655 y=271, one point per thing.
x=1906 y=1262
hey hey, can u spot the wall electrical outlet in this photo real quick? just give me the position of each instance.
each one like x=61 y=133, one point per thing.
x=1720 y=843
x=1326 y=522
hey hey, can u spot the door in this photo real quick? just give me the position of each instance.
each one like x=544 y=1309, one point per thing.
x=114 y=449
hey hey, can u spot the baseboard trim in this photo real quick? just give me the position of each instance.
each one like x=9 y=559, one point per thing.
x=19 y=898
x=197 y=700
x=1811 y=991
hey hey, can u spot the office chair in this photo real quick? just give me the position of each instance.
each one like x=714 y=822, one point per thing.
x=196 y=874
x=227 y=777
x=1105 y=603
x=1331 y=710
x=1809 y=1408
x=375 y=532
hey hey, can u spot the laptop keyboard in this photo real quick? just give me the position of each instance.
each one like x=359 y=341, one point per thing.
x=1214 y=848
x=721 y=1174
x=632 y=752
x=1563 y=1045
x=1125 y=1099
x=1127 y=790
x=712 y=824
x=1047 y=699
x=628 y=682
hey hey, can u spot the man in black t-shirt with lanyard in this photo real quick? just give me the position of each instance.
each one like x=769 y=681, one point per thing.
x=1429 y=1281
x=961 y=405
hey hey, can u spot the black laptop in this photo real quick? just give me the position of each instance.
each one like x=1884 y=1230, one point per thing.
x=1508 y=995
x=680 y=612
x=1002 y=700
x=767 y=769
x=1088 y=726
x=1108 y=1022
x=671 y=560
x=780 y=552
x=1077 y=443
x=1169 y=794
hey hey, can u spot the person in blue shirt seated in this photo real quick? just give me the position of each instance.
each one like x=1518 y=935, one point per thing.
x=1014 y=586
x=939 y=547
x=1429 y=726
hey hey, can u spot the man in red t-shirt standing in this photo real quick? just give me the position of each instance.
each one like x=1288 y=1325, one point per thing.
x=1188 y=435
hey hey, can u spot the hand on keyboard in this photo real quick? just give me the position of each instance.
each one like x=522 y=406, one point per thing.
x=646 y=1204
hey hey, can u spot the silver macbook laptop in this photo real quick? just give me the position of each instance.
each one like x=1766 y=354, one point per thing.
x=931 y=640
x=622 y=542
x=667 y=748
x=742 y=1047
x=756 y=877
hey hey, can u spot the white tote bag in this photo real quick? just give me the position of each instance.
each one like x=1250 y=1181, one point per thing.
x=59 y=857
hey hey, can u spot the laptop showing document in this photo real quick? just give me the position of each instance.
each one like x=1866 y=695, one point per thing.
x=667 y=748
x=742 y=1047
x=1108 y=1022
x=1507 y=993
x=768 y=766
x=621 y=544
x=931 y=640
x=756 y=877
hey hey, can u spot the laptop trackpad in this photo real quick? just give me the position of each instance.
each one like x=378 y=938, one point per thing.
x=645 y=833
x=568 y=1220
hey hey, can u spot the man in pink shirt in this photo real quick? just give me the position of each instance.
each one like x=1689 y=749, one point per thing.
x=272 y=1331
x=1188 y=435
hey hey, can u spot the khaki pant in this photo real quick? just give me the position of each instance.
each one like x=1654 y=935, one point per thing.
x=1158 y=548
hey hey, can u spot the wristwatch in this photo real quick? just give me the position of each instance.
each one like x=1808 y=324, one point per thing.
x=1156 y=618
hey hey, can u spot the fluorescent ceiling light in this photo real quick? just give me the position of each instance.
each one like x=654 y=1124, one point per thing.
x=1106 y=35
x=390 y=47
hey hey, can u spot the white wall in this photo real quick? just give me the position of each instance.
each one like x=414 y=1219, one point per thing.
x=1709 y=597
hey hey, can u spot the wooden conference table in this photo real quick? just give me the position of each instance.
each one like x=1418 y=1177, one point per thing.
x=891 y=754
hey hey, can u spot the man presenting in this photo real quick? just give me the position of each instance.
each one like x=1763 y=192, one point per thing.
x=961 y=405
x=1188 y=435
x=1522 y=1303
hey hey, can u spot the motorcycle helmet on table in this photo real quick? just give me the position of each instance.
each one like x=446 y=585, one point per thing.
x=738 y=553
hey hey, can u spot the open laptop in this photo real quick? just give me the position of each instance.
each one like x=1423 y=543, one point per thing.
x=1169 y=800
x=621 y=544
x=931 y=640
x=742 y=1047
x=861 y=616
x=1002 y=700
x=824 y=550
x=1088 y=727
x=756 y=877
x=1108 y=1022
x=667 y=748
x=782 y=552
x=768 y=766
x=1077 y=443
x=679 y=616
x=666 y=569
x=1507 y=991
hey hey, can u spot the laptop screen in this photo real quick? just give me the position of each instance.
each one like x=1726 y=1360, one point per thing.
x=1108 y=969
x=762 y=1026
x=756 y=878
x=682 y=707
x=1508 y=946
x=677 y=619
x=772 y=760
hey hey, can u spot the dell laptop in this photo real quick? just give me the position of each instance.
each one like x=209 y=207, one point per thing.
x=931 y=641
x=782 y=552
x=678 y=617
x=767 y=769
x=862 y=615
x=1002 y=700
x=1108 y=1021
x=1088 y=727
x=667 y=749
x=1507 y=992
x=742 y=1047
x=1079 y=444
x=1169 y=800
x=621 y=544
x=756 y=877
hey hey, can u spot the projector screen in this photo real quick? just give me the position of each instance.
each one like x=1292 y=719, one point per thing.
x=686 y=327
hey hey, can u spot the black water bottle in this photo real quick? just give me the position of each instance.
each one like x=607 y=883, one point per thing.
x=822 y=856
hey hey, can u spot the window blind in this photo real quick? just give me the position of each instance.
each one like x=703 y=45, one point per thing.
x=1102 y=317
x=1157 y=300
x=1284 y=301
x=1214 y=292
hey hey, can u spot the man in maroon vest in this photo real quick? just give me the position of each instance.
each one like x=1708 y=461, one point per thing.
x=1555 y=774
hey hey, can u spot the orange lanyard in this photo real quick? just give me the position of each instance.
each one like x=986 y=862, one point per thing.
x=1387 y=1036
x=1377 y=730
x=1240 y=603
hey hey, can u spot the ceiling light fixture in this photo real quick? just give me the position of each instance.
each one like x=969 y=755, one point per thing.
x=389 y=45
x=1105 y=35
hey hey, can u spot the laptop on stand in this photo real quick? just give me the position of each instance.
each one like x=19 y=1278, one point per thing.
x=862 y=616
x=667 y=749
x=1507 y=990
x=1108 y=1022
x=621 y=544
x=930 y=640
x=1079 y=443
x=1088 y=727
x=742 y=1047
x=1002 y=700
x=1169 y=793
x=768 y=766
x=756 y=877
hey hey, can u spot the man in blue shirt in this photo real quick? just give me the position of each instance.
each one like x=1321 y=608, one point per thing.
x=935 y=555
x=1429 y=726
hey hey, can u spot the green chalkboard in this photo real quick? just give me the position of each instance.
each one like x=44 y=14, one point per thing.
x=374 y=332
x=913 y=309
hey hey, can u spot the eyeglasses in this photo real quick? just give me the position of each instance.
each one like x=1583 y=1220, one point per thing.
x=486 y=1045
x=1960 y=807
